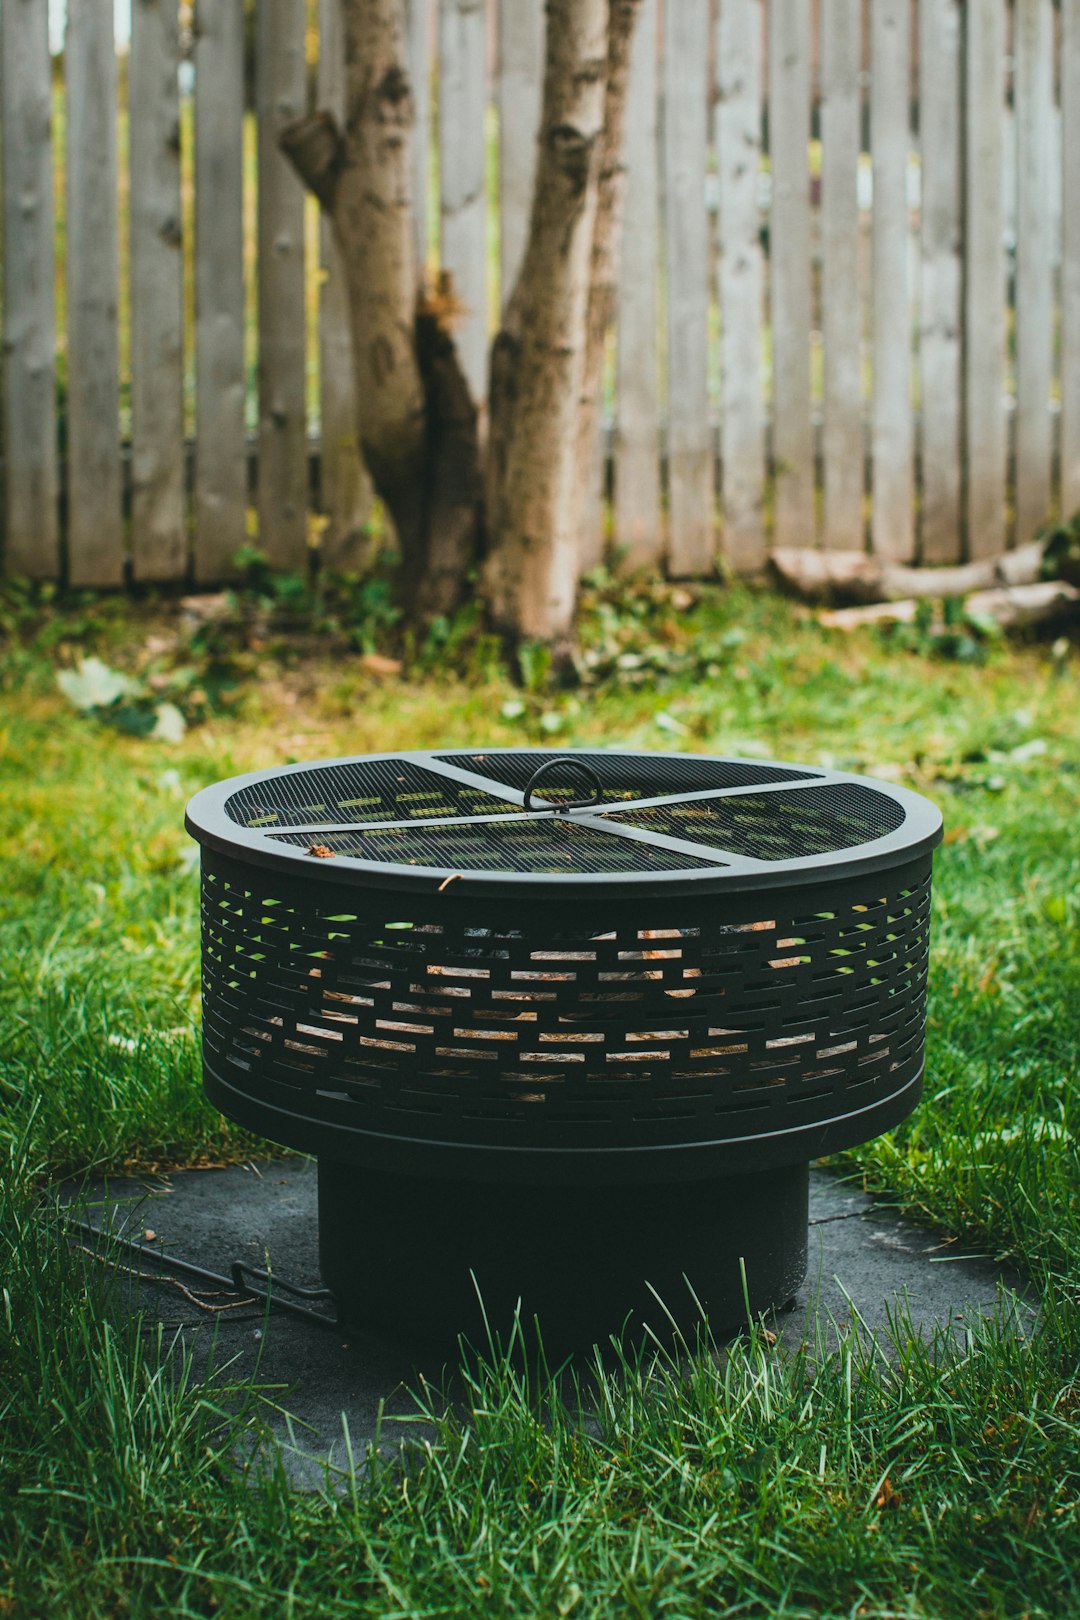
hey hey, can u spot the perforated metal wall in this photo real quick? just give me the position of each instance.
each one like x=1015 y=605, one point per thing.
x=674 y=1021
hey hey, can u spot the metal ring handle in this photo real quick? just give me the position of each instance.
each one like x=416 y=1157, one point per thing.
x=567 y=762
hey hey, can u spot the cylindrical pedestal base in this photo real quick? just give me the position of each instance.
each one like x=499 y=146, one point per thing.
x=416 y=1255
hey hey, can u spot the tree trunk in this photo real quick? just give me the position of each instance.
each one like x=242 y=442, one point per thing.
x=417 y=424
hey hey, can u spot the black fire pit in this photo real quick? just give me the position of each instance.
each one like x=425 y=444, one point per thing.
x=563 y=1029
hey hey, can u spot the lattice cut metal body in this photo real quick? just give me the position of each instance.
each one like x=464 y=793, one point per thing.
x=716 y=971
x=675 y=1022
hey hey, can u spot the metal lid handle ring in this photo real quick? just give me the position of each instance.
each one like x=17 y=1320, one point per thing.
x=576 y=767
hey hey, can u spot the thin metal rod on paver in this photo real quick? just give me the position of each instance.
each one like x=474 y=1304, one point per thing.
x=234 y=1282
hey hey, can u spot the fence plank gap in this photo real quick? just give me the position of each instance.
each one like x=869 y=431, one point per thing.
x=842 y=436
x=789 y=271
x=346 y=489
x=462 y=175
x=741 y=281
x=892 y=521
x=691 y=530
x=31 y=478
x=518 y=85
x=1033 y=95
x=984 y=278
x=95 y=526
x=940 y=284
x=1070 y=257
x=159 y=537
x=283 y=469
x=637 y=521
x=220 y=449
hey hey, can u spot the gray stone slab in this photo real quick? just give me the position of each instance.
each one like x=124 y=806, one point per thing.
x=861 y=1256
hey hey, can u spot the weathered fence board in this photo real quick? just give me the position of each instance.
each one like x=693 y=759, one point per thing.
x=1070 y=257
x=892 y=519
x=283 y=463
x=741 y=282
x=345 y=489
x=95 y=528
x=518 y=84
x=842 y=519
x=220 y=451
x=158 y=531
x=637 y=519
x=940 y=282
x=805 y=234
x=789 y=271
x=462 y=176
x=984 y=278
x=1033 y=99
x=691 y=530
x=31 y=520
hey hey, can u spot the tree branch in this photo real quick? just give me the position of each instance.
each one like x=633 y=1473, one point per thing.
x=315 y=147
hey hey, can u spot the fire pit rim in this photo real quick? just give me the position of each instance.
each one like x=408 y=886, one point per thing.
x=919 y=833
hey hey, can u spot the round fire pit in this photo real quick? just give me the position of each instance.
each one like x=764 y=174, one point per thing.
x=563 y=1029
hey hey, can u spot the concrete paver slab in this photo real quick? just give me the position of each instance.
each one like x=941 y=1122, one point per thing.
x=861 y=1254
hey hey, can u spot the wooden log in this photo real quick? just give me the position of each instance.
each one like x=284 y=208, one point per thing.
x=843 y=523
x=691 y=530
x=855 y=577
x=345 y=487
x=940 y=534
x=158 y=529
x=637 y=526
x=741 y=281
x=1018 y=607
x=31 y=481
x=95 y=526
x=283 y=452
x=789 y=270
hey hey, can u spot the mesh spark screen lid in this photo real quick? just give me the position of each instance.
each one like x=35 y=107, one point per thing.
x=479 y=820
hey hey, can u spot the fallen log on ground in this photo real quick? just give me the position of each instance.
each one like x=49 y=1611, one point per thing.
x=852 y=576
x=1013 y=607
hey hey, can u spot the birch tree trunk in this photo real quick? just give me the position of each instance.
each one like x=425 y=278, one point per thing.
x=417 y=424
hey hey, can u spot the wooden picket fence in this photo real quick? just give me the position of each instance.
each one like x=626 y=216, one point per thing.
x=849 y=306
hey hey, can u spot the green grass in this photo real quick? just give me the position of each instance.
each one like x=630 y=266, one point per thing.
x=943 y=1483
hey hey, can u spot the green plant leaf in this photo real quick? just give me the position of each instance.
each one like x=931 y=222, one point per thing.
x=94 y=685
x=170 y=724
